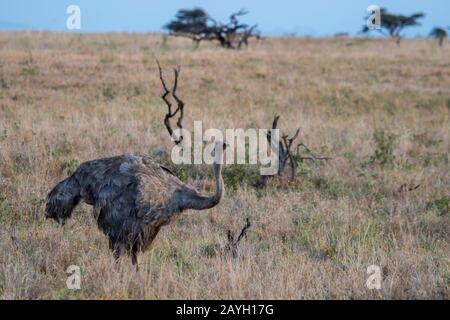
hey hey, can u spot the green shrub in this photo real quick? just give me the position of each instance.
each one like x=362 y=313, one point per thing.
x=107 y=93
x=384 y=152
x=70 y=166
x=328 y=187
x=238 y=175
x=210 y=249
x=441 y=205
x=30 y=70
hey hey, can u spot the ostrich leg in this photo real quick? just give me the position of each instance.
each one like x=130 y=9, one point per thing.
x=134 y=258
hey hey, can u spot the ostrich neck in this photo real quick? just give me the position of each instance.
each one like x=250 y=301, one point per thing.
x=199 y=202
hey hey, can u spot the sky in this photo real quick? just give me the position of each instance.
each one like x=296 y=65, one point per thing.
x=280 y=17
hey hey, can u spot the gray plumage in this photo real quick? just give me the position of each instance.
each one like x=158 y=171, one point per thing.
x=132 y=198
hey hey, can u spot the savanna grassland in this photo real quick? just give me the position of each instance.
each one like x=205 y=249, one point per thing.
x=380 y=111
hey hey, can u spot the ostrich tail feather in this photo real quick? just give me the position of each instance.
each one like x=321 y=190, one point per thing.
x=62 y=199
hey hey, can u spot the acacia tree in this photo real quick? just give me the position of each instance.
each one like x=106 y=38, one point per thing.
x=440 y=34
x=197 y=25
x=393 y=24
x=190 y=23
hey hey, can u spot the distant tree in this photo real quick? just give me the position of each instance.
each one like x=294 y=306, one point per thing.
x=393 y=24
x=197 y=25
x=190 y=23
x=341 y=34
x=439 y=34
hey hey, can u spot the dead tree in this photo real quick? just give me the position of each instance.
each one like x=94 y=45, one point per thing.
x=284 y=148
x=285 y=153
x=234 y=34
x=180 y=104
x=197 y=25
x=246 y=35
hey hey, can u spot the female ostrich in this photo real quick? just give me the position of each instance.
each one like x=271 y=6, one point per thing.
x=132 y=198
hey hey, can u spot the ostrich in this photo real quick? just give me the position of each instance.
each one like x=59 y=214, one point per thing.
x=132 y=198
x=132 y=195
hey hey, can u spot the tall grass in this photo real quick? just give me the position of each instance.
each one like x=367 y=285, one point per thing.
x=67 y=98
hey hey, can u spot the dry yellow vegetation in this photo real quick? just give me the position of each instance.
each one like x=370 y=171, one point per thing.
x=381 y=111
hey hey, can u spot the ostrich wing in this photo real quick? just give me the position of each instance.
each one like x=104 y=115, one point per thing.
x=126 y=189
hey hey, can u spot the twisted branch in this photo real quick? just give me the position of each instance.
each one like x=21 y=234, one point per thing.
x=232 y=244
x=180 y=103
x=286 y=155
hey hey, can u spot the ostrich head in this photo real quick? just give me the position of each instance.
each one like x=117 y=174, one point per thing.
x=217 y=153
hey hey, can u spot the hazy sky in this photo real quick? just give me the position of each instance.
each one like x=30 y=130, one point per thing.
x=315 y=18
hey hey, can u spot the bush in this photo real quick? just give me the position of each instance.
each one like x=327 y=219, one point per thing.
x=441 y=205
x=384 y=152
x=108 y=93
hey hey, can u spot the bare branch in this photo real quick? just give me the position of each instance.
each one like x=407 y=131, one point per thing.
x=243 y=231
x=405 y=188
x=180 y=103
x=288 y=155
x=232 y=244
x=275 y=121
x=312 y=155
x=285 y=153
x=274 y=126
x=241 y=12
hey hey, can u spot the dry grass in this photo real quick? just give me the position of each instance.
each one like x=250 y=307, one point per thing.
x=67 y=98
